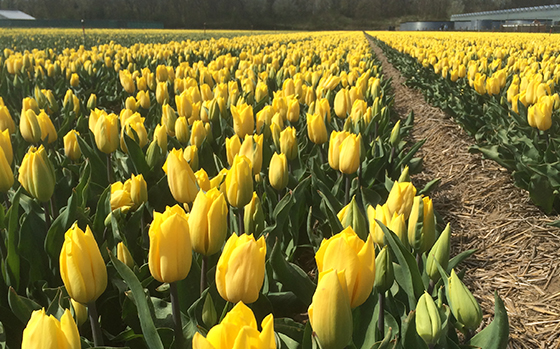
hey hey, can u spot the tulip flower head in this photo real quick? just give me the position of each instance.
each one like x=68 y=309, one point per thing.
x=36 y=174
x=46 y=332
x=208 y=222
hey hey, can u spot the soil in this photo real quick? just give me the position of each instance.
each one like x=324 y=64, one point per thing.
x=518 y=253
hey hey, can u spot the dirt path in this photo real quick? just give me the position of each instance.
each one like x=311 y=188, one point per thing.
x=518 y=254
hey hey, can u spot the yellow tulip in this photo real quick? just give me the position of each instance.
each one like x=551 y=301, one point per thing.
x=293 y=110
x=71 y=146
x=74 y=80
x=106 y=133
x=160 y=136
x=29 y=126
x=48 y=132
x=180 y=177
x=6 y=145
x=240 y=269
x=6 y=174
x=349 y=157
x=345 y=251
x=162 y=96
x=46 y=332
x=138 y=190
x=421 y=240
x=80 y=312
x=330 y=313
x=243 y=120
x=401 y=198
x=316 y=129
x=278 y=171
x=143 y=98
x=239 y=182
x=208 y=222
x=379 y=213
x=463 y=305
x=202 y=180
x=126 y=81
x=335 y=141
x=168 y=119
x=170 y=254
x=182 y=131
x=539 y=115
x=198 y=133
x=120 y=197
x=233 y=144
x=238 y=329
x=342 y=104
x=191 y=155
x=123 y=254
x=134 y=122
x=288 y=143
x=36 y=174
x=6 y=121
x=253 y=216
x=82 y=268
x=252 y=148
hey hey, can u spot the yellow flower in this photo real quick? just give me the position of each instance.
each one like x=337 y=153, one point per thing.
x=74 y=80
x=233 y=144
x=293 y=110
x=46 y=332
x=29 y=126
x=240 y=269
x=126 y=81
x=421 y=240
x=252 y=148
x=134 y=122
x=428 y=321
x=71 y=146
x=6 y=174
x=106 y=133
x=330 y=313
x=123 y=254
x=191 y=155
x=36 y=174
x=342 y=104
x=335 y=141
x=463 y=305
x=170 y=254
x=345 y=251
x=539 y=115
x=208 y=222
x=6 y=121
x=401 y=198
x=182 y=131
x=288 y=143
x=316 y=129
x=162 y=96
x=6 y=145
x=278 y=171
x=120 y=196
x=82 y=268
x=198 y=133
x=349 y=158
x=180 y=177
x=138 y=190
x=243 y=120
x=239 y=182
x=168 y=118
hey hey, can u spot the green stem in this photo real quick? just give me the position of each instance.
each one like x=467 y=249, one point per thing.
x=176 y=311
x=94 y=322
x=381 y=319
x=53 y=207
x=224 y=312
x=47 y=215
x=347 y=191
x=109 y=169
x=203 y=271
x=240 y=220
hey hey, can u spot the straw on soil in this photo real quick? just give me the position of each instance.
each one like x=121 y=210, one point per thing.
x=518 y=253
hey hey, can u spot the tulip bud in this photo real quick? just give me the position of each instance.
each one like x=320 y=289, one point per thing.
x=46 y=332
x=239 y=182
x=209 y=315
x=335 y=141
x=351 y=216
x=168 y=119
x=384 y=273
x=395 y=138
x=123 y=254
x=401 y=198
x=71 y=146
x=80 y=312
x=160 y=136
x=208 y=222
x=421 y=225
x=252 y=148
x=6 y=174
x=120 y=197
x=6 y=145
x=428 y=321
x=233 y=144
x=182 y=131
x=342 y=104
x=316 y=129
x=74 y=80
x=154 y=154
x=278 y=174
x=170 y=254
x=440 y=253
x=36 y=174
x=253 y=217
x=240 y=269
x=29 y=126
x=293 y=110
x=6 y=121
x=162 y=96
x=48 y=132
x=243 y=120
x=138 y=190
x=82 y=268
x=198 y=133
x=330 y=313
x=288 y=143
x=202 y=180
x=143 y=98
x=191 y=155
x=405 y=175
x=91 y=102
x=126 y=81
x=106 y=133
x=349 y=158
x=463 y=305
x=180 y=177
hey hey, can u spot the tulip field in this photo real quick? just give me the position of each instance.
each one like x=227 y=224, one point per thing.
x=184 y=189
x=501 y=88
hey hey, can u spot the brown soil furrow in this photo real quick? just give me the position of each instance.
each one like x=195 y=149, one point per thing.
x=518 y=253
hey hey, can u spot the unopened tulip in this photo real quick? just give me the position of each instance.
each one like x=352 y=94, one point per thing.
x=48 y=132
x=123 y=254
x=191 y=155
x=138 y=190
x=243 y=120
x=278 y=174
x=162 y=96
x=238 y=329
x=208 y=222
x=347 y=251
x=6 y=121
x=120 y=197
x=46 y=332
x=428 y=321
x=182 y=131
x=316 y=129
x=240 y=269
x=6 y=174
x=463 y=305
x=6 y=145
x=539 y=115
x=351 y=216
x=29 y=126
x=440 y=253
x=74 y=80
x=253 y=216
x=202 y=180
x=384 y=272
x=80 y=312
x=252 y=148
x=293 y=110
x=91 y=102
x=342 y=104
x=160 y=136
x=36 y=174
x=106 y=133
x=401 y=198
x=170 y=254
x=143 y=98
x=288 y=143
x=140 y=135
x=169 y=118
x=421 y=225
x=126 y=81
x=180 y=177
x=335 y=141
x=233 y=144
x=349 y=157
x=82 y=268
x=330 y=312
x=198 y=133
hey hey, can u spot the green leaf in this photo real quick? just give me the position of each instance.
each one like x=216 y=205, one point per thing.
x=429 y=187
x=291 y=276
x=281 y=212
x=22 y=307
x=55 y=235
x=495 y=335
x=12 y=263
x=136 y=155
x=459 y=258
x=146 y=322
x=541 y=192
x=99 y=168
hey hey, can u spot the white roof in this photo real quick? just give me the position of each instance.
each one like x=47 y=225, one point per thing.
x=10 y=14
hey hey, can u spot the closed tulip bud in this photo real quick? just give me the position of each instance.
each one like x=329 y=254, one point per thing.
x=36 y=174
x=140 y=135
x=180 y=177
x=252 y=148
x=130 y=103
x=80 y=312
x=335 y=141
x=398 y=226
x=330 y=313
x=170 y=254
x=29 y=126
x=395 y=138
x=237 y=329
x=106 y=133
x=261 y=92
x=190 y=154
x=347 y=251
x=479 y=83
x=74 y=80
x=539 y=115
x=278 y=174
x=240 y=269
x=82 y=268
x=463 y=305
x=275 y=131
x=233 y=144
x=428 y=321
x=91 y=102
x=138 y=190
x=198 y=133
x=351 y=216
x=48 y=132
x=182 y=131
x=6 y=121
x=6 y=174
x=219 y=181
x=123 y=254
x=162 y=96
x=243 y=120
x=288 y=143
x=349 y=158
x=440 y=253
x=160 y=136
x=202 y=180
x=209 y=315
x=71 y=146
x=401 y=198
x=120 y=196
x=46 y=332
x=161 y=73
x=384 y=273
x=126 y=81
x=154 y=155
x=405 y=175
x=293 y=110
x=342 y=104
x=208 y=222
x=421 y=225
x=239 y=182
x=168 y=119
x=316 y=129
x=253 y=217
x=143 y=99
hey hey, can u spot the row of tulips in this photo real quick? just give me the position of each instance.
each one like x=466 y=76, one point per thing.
x=512 y=114
x=261 y=172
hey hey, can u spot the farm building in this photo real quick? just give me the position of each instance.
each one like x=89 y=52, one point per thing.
x=14 y=14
